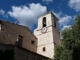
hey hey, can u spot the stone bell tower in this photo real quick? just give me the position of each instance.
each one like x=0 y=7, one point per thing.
x=47 y=34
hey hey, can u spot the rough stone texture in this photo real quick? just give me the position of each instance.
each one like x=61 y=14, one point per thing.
x=20 y=53
x=56 y=33
x=49 y=38
x=23 y=54
x=56 y=37
x=6 y=47
x=6 y=52
x=9 y=35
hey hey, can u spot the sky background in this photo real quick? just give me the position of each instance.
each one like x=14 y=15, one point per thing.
x=28 y=11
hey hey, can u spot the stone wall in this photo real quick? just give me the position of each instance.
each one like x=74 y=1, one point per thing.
x=11 y=52
x=56 y=37
x=6 y=52
x=9 y=35
x=6 y=47
x=23 y=54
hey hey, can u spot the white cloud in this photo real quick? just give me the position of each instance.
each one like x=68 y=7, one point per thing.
x=75 y=4
x=63 y=18
x=66 y=26
x=47 y=1
x=2 y=12
x=27 y=16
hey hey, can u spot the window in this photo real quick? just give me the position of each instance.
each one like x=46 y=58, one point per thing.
x=54 y=23
x=20 y=37
x=44 y=22
x=19 y=40
x=33 y=42
x=44 y=49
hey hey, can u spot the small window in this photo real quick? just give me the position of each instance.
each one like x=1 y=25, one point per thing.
x=33 y=42
x=44 y=49
x=20 y=37
x=19 y=40
x=54 y=23
x=44 y=22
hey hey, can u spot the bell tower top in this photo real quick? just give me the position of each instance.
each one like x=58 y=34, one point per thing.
x=47 y=20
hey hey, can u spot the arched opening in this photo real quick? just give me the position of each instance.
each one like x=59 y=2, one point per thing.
x=44 y=22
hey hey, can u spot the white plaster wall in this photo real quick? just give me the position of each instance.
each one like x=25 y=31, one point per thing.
x=49 y=50
x=46 y=38
x=38 y=31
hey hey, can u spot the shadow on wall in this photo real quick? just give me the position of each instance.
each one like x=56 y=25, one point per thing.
x=7 y=55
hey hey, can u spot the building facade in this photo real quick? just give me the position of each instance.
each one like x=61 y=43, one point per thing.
x=22 y=44
x=17 y=43
x=11 y=33
x=47 y=34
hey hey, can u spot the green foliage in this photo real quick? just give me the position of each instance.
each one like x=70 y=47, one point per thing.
x=68 y=40
x=76 y=53
x=70 y=45
x=58 y=52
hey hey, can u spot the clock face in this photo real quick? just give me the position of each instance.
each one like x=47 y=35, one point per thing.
x=43 y=30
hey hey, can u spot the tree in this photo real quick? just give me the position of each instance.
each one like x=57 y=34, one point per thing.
x=76 y=36
x=58 y=52
x=70 y=45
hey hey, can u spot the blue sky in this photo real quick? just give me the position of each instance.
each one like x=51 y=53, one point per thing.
x=27 y=11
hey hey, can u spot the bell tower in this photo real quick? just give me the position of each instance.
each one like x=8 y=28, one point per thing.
x=47 y=34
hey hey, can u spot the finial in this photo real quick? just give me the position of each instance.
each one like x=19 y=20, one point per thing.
x=16 y=22
x=47 y=10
